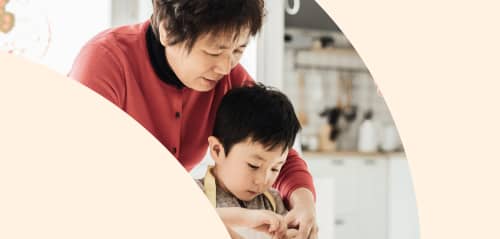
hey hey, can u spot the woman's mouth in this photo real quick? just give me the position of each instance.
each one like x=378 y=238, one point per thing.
x=210 y=81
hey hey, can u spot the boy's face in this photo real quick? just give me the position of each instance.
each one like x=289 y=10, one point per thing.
x=249 y=169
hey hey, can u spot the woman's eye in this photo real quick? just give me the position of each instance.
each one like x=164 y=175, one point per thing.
x=238 y=51
x=253 y=166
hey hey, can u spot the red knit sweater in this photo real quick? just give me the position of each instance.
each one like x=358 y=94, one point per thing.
x=116 y=65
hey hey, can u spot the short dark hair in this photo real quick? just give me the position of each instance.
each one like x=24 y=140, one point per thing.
x=259 y=113
x=187 y=20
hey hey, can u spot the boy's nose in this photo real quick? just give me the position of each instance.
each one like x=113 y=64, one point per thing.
x=261 y=179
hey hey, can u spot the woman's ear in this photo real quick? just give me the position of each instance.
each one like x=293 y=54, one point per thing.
x=216 y=149
x=163 y=33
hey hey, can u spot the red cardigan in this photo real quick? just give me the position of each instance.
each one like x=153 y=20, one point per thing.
x=116 y=64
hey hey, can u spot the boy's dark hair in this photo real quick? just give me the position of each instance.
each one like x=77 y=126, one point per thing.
x=187 y=20
x=258 y=113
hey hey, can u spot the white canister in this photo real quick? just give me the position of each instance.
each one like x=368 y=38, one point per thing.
x=390 y=140
x=367 y=140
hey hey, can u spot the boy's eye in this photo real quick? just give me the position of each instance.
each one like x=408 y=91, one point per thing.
x=253 y=166
x=213 y=54
x=275 y=170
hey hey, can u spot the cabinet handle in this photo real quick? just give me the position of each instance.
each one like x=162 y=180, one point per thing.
x=339 y=222
x=370 y=161
x=338 y=162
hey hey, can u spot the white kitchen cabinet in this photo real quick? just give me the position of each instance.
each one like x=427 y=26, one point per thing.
x=325 y=196
x=360 y=196
x=325 y=206
x=371 y=210
x=403 y=217
x=373 y=196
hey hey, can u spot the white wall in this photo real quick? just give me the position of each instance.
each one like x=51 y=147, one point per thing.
x=270 y=46
x=249 y=58
x=73 y=23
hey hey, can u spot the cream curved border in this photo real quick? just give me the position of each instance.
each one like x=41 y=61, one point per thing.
x=72 y=165
x=436 y=63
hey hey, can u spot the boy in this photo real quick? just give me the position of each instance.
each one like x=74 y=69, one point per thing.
x=255 y=127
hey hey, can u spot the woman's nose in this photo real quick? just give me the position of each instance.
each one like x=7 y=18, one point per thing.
x=223 y=67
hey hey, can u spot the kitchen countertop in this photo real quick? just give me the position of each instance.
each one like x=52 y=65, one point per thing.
x=351 y=154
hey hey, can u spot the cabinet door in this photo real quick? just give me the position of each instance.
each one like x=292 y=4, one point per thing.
x=325 y=195
x=360 y=196
x=371 y=208
x=403 y=218
x=325 y=211
x=340 y=220
x=345 y=202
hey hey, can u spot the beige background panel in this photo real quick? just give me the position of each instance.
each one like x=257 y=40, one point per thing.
x=436 y=63
x=74 y=166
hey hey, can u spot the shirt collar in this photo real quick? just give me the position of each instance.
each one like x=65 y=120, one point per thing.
x=159 y=61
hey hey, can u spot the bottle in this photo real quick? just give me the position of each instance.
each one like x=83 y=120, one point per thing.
x=367 y=140
x=390 y=140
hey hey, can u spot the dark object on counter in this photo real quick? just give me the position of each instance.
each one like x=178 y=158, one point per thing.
x=288 y=37
x=350 y=113
x=326 y=41
x=332 y=115
x=368 y=115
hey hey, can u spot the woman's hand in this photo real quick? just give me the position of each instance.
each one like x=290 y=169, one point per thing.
x=303 y=214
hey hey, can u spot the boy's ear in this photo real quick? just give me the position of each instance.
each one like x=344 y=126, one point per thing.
x=216 y=149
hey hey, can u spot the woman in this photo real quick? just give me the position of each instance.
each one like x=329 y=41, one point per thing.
x=170 y=74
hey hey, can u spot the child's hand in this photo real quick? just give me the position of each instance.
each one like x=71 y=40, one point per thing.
x=292 y=233
x=268 y=222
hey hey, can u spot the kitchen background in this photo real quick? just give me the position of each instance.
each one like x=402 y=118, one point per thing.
x=349 y=140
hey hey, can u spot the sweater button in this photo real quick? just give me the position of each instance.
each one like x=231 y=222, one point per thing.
x=174 y=150
x=177 y=115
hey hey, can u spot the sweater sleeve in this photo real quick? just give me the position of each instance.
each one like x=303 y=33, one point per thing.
x=98 y=69
x=294 y=175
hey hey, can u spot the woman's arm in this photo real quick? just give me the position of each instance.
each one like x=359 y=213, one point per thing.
x=294 y=175
x=296 y=184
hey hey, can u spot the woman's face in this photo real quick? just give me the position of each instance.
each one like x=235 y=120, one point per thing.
x=211 y=58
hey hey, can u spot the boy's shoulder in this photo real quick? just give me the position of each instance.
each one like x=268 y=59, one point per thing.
x=280 y=205
x=275 y=193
